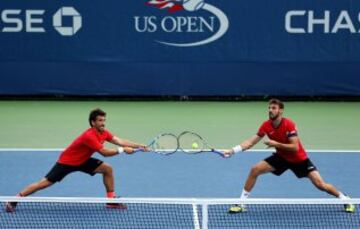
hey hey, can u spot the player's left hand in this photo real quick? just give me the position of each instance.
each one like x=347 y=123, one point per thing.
x=144 y=148
x=271 y=143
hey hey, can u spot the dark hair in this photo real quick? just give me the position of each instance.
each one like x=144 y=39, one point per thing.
x=94 y=113
x=277 y=102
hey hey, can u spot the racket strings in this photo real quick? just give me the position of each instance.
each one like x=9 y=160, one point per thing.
x=190 y=142
x=166 y=142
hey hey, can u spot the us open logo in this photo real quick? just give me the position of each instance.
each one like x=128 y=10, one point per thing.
x=183 y=23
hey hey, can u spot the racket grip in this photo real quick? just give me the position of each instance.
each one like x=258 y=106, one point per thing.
x=218 y=152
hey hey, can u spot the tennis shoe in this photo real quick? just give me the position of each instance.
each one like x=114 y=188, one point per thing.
x=238 y=208
x=10 y=206
x=349 y=208
x=116 y=205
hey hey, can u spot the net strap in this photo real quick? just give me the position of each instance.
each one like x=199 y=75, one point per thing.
x=196 y=201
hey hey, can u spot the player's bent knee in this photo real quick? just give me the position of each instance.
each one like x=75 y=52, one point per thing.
x=110 y=170
x=255 y=171
x=107 y=168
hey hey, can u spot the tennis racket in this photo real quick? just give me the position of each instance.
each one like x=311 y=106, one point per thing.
x=193 y=143
x=165 y=144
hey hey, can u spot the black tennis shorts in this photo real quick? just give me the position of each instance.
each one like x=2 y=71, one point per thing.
x=300 y=169
x=59 y=171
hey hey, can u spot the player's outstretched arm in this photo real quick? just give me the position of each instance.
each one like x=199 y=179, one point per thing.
x=249 y=143
x=126 y=143
x=112 y=152
x=245 y=145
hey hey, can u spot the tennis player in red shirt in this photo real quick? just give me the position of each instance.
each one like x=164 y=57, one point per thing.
x=290 y=154
x=78 y=157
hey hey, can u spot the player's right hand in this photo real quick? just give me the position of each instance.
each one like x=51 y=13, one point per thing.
x=129 y=150
x=228 y=153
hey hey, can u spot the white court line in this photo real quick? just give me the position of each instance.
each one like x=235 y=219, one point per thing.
x=31 y=149
x=252 y=150
x=195 y=216
x=205 y=216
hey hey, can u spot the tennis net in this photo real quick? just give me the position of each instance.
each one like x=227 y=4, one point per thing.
x=57 y=212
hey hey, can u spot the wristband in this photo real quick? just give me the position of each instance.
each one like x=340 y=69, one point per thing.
x=237 y=149
x=120 y=149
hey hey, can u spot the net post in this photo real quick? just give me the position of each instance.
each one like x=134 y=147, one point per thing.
x=204 y=216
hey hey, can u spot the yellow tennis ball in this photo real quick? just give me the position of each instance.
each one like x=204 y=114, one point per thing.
x=195 y=145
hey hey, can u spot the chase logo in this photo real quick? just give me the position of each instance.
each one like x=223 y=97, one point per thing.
x=183 y=23
x=67 y=12
x=34 y=20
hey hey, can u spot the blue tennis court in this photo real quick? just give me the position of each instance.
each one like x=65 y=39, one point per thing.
x=180 y=175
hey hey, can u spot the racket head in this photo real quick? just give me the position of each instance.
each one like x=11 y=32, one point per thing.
x=165 y=144
x=188 y=139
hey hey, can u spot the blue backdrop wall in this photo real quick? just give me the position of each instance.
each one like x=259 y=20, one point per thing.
x=180 y=47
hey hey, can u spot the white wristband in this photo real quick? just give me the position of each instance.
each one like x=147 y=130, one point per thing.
x=120 y=149
x=237 y=149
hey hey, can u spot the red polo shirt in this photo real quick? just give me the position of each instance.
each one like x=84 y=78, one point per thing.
x=84 y=146
x=282 y=133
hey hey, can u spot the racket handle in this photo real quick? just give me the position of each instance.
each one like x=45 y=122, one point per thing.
x=218 y=152
x=139 y=150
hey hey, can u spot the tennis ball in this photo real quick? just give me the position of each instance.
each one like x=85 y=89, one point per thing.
x=195 y=145
x=193 y=5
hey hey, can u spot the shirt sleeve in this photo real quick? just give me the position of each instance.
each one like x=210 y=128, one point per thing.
x=92 y=143
x=291 y=130
x=109 y=136
x=261 y=132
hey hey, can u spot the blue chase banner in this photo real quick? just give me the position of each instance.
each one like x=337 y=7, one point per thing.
x=180 y=47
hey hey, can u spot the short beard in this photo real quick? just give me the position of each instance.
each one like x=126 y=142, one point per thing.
x=100 y=128
x=274 y=117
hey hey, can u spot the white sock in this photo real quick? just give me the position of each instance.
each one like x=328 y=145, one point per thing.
x=342 y=196
x=245 y=194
